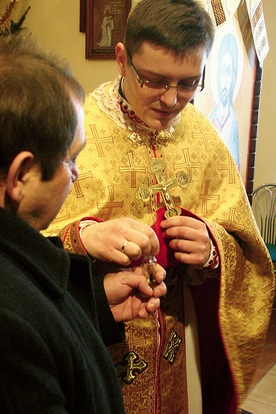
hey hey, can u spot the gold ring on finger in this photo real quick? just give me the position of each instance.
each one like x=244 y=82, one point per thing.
x=124 y=245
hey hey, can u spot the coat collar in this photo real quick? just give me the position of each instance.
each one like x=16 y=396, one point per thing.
x=47 y=263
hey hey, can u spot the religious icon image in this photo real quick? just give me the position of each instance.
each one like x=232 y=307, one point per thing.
x=107 y=28
x=104 y=26
x=223 y=114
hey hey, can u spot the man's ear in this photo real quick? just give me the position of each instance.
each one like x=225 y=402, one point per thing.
x=18 y=175
x=121 y=58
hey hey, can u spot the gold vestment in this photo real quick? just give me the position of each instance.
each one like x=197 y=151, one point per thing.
x=115 y=163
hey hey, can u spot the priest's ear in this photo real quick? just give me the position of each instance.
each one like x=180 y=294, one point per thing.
x=18 y=175
x=121 y=57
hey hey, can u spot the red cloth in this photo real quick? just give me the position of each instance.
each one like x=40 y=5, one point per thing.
x=165 y=257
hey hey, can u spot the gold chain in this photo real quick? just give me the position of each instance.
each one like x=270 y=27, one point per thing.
x=7 y=13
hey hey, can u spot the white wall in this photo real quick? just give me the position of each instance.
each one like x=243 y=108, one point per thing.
x=56 y=25
x=266 y=144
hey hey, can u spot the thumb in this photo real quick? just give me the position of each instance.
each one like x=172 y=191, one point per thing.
x=140 y=284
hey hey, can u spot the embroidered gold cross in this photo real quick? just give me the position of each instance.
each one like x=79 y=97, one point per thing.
x=144 y=192
x=172 y=347
x=127 y=371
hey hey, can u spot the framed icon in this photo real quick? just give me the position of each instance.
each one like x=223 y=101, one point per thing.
x=104 y=23
x=231 y=97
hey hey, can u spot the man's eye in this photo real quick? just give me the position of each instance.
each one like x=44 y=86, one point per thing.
x=188 y=84
x=155 y=84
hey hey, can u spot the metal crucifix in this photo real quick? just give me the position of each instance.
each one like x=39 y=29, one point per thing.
x=145 y=192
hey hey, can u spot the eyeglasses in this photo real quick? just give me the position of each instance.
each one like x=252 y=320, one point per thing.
x=182 y=87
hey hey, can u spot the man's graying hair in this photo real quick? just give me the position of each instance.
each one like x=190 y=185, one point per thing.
x=177 y=25
x=36 y=109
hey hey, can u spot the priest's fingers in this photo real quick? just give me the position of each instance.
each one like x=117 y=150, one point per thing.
x=140 y=235
x=119 y=241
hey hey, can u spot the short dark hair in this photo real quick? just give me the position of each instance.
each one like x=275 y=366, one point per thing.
x=177 y=25
x=36 y=109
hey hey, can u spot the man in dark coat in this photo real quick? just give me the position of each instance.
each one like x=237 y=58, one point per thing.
x=55 y=320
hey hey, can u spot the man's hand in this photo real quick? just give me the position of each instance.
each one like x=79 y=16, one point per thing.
x=129 y=294
x=189 y=239
x=119 y=241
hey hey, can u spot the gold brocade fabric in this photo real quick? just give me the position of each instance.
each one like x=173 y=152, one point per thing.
x=112 y=167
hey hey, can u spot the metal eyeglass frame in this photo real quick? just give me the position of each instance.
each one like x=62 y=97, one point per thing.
x=163 y=87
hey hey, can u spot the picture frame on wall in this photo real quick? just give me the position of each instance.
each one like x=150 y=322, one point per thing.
x=105 y=23
x=82 y=16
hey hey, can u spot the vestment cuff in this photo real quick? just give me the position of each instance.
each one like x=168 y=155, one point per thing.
x=213 y=260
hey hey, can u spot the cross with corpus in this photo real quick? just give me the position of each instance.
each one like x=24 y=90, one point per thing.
x=144 y=192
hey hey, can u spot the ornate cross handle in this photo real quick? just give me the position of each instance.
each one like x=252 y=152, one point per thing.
x=144 y=192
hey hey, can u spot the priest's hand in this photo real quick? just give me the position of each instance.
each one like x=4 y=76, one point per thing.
x=189 y=239
x=129 y=295
x=119 y=241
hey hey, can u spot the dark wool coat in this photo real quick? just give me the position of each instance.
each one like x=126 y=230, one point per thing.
x=52 y=355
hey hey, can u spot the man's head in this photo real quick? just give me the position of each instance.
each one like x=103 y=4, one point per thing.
x=41 y=130
x=162 y=60
x=36 y=109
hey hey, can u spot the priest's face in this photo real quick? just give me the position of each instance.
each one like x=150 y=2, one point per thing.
x=159 y=71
